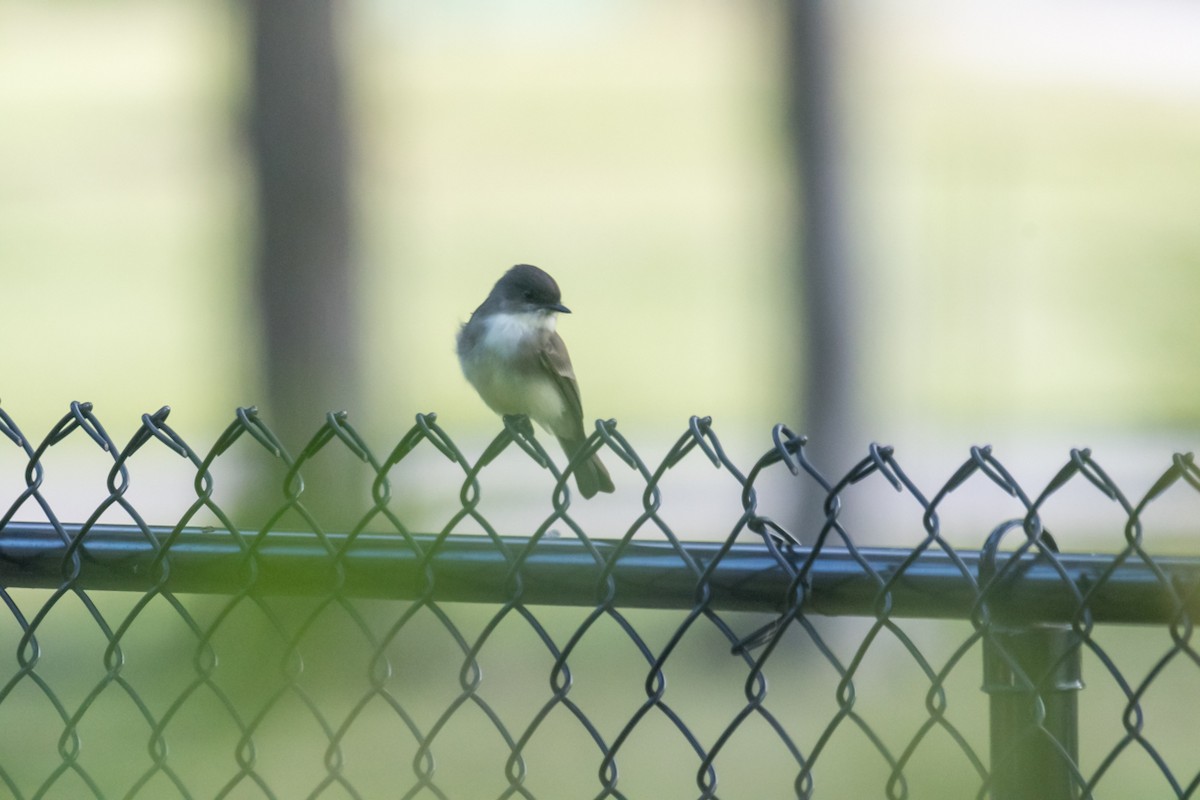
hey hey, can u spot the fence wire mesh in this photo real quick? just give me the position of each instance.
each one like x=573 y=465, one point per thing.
x=207 y=658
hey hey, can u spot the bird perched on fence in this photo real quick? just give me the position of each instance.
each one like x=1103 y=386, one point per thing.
x=512 y=355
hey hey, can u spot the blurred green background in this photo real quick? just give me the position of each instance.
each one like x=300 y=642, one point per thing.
x=1023 y=196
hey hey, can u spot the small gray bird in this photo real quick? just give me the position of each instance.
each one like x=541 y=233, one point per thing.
x=511 y=354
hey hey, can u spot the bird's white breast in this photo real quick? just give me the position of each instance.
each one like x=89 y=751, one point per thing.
x=503 y=379
x=504 y=333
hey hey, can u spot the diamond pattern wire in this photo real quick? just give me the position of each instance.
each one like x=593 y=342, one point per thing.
x=198 y=658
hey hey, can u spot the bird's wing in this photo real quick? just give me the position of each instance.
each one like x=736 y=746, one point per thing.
x=558 y=364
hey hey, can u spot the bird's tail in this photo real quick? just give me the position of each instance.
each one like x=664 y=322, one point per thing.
x=591 y=475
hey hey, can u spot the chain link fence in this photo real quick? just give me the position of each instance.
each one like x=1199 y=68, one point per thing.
x=399 y=657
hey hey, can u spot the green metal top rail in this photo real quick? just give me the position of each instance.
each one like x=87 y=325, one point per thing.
x=564 y=571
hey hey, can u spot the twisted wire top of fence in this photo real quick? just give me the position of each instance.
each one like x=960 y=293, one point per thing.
x=755 y=545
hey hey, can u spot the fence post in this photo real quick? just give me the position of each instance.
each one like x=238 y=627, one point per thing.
x=1032 y=676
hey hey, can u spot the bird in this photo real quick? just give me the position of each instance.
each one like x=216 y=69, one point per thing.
x=511 y=353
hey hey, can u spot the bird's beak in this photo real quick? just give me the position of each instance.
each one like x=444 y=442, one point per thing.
x=560 y=308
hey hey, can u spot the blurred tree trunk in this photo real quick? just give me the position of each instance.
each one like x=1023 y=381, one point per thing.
x=306 y=278
x=829 y=306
